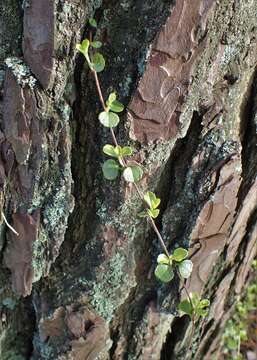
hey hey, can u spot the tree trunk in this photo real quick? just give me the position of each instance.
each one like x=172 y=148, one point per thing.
x=78 y=281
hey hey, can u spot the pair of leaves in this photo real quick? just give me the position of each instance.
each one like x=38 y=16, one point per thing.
x=109 y=118
x=195 y=307
x=185 y=267
x=117 y=151
x=111 y=169
x=164 y=269
x=83 y=48
x=97 y=63
x=113 y=104
x=153 y=202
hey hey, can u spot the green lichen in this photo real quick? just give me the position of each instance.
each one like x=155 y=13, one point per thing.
x=108 y=291
x=21 y=72
x=9 y=303
x=39 y=260
x=56 y=210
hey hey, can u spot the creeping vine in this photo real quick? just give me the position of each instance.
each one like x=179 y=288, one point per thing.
x=120 y=163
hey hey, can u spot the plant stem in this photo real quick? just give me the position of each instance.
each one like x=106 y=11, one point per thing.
x=193 y=315
x=152 y=222
x=99 y=90
x=141 y=196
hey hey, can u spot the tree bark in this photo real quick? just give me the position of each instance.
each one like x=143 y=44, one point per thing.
x=78 y=281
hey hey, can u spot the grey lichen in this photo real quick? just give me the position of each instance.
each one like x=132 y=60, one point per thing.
x=106 y=290
x=21 y=72
x=39 y=260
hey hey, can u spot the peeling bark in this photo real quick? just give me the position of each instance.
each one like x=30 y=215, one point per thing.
x=78 y=283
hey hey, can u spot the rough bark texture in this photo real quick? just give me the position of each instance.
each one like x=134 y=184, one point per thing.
x=77 y=283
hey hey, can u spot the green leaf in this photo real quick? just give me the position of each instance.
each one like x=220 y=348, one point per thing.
x=116 y=106
x=185 y=268
x=185 y=307
x=96 y=44
x=98 y=62
x=201 y=312
x=92 y=22
x=126 y=151
x=232 y=343
x=108 y=119
x=204 y=303
x=152 y=201
x=110 y=169
x=111 y=150
x=195 y=298
x=153 y=213
x=179 y=254
x=112 y=97
x=133 y=173
x=143 y=214
x=83 y=47
x=163 y=259
x=164 y=272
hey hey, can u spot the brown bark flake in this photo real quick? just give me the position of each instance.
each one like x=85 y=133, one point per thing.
x=155 y=107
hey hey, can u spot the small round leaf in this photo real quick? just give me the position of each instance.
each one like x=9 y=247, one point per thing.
x=126 y=151
x=112 y=97
x=180 y=254
x=96 y=44
x=92 y=22
x=185 y=307
x=201 y=312
x=204 y=303
x=195 y=298
x=163 y=259
x=185 y=268
x=164 y=272
x=98 y=62
x=110 y=150
x=83 y=47
x=133 y=173
x=116 y=106
x=108 y=119
x=152 y=201
x=153 y=213
x=110 y=169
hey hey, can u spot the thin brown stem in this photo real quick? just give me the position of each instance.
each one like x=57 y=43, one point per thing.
x=152 y=222
x=193 y=315
x=123 y=161
x=99 y=90
x=115 y=141
x=191 y=335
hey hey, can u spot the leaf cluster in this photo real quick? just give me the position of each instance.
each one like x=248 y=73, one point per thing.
x=109 y=117
x=152 y=202
x=97 y=62
x=112 y=168
x=195 y=306
x=120 y=164
x=165 y=269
